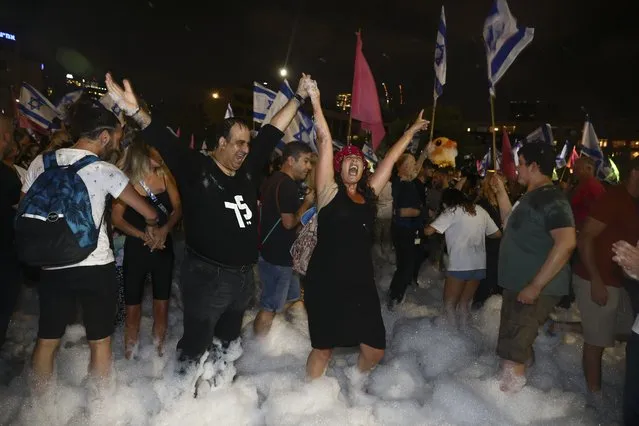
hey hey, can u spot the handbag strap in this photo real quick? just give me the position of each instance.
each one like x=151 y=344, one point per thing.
x=277 y=203
x=155 y=200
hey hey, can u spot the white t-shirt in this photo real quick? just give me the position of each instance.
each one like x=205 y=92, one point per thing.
x=465 y=237
x=101 y=178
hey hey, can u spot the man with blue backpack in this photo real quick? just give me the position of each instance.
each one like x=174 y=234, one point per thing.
x=61 y=227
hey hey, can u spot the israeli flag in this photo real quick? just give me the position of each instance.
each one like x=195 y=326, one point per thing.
x=37 y=108
x=560 y=160
x=262 y=100
x=229 y=112
x=300 y=129
x=590 y=148
x=504 y=41
x=543 y=134
x=440 y=57
x=487 y=162
x=516 y=149
x=65 y=103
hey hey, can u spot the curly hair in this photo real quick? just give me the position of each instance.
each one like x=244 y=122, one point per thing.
x=363 y=188
x=453 y=198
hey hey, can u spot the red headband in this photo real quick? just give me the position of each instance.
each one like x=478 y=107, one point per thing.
x=345 y=152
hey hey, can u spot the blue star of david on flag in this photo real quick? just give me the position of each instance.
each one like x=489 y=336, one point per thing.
x=440 y=57
x=115 y=109
x=439 y=53
x=300 y=136
x=34 y=103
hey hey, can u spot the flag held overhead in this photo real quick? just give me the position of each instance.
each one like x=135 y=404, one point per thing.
x=365 y=100
x=440 y=57
x=504 y=41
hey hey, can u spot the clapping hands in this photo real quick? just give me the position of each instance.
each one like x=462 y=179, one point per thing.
x=627 y=256
x=124 y=97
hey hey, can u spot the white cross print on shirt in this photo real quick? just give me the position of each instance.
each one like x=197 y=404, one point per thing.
x=238 y=206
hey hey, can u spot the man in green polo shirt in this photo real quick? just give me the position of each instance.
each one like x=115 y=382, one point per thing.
x=539 y=238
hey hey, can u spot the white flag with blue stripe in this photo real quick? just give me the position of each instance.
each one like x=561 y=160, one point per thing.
x=440 y=57
x=300 y=129
x=504 y=41
x=37 y=108
x=262 y=100
x=590 y=148
x=65 y=103
x=560 y=159
x=542 y=134
x=229 y=112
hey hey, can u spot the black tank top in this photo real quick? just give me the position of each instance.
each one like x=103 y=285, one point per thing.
x=138 y=221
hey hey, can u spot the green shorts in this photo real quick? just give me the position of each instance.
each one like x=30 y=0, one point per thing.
x=519 y=325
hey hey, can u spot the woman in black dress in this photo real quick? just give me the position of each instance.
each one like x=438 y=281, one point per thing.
x=340 y=294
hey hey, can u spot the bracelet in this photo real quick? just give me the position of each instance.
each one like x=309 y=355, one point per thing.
x=136 y=112
x=299 y=98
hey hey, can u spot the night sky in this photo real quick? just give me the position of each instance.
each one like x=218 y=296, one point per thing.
x=584 y=52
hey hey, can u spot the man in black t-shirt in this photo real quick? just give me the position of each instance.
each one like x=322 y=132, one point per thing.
x=219 y=200
x=281 y=213
x=9 y=197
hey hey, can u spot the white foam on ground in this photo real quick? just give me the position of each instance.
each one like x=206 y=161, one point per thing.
x=431 y=375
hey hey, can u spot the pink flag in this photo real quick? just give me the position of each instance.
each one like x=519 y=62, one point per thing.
x=573 y=157
x=507 y=160
x=365 y=102
x=192 y=145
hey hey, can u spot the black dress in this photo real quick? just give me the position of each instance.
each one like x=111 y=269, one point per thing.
x=340 y=294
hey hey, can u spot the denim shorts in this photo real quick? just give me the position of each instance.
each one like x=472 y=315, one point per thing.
x=280 y=285
x=474 y=275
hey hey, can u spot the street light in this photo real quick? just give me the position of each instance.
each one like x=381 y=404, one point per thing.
x=215 y=95
x=283 y=72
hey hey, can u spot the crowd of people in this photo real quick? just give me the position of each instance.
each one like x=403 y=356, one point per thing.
x=532 y=240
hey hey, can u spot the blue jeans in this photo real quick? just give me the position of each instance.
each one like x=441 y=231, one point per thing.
x=631 y=389
x=280 y=285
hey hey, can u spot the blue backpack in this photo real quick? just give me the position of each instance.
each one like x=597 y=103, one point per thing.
x=54 y=222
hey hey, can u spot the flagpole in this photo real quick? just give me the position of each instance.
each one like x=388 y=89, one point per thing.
x=350 y=113
x=492 y=129
x=424 y=153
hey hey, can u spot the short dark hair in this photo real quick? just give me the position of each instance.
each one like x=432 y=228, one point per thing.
x=540 y=153
x=295 y=149
x=89 y=118
x=224 y=130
